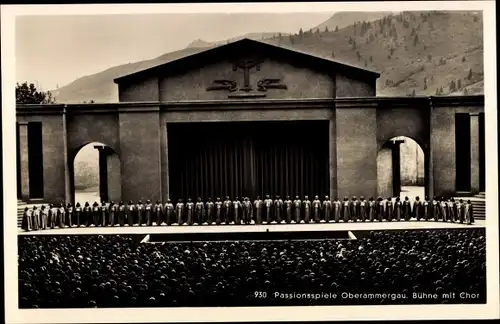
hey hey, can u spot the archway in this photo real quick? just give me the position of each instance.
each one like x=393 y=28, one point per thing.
x=96 y=174
x=401 y=169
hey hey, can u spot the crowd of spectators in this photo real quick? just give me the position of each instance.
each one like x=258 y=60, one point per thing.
x=120 y=271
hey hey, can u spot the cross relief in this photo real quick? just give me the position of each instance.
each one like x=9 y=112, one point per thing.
x=247 y=66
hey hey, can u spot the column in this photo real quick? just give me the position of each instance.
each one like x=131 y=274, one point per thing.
x=103 y=172
x=165 y=179
x=396 y=167
x=332 y=165
x=24 y=160
x=474 y=154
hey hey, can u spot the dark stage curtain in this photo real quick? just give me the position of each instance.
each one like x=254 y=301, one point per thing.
x=248 y=159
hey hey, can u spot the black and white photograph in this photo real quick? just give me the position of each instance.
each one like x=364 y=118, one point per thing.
x=250 y=161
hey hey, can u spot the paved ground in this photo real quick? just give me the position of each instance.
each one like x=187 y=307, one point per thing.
x=255 y=228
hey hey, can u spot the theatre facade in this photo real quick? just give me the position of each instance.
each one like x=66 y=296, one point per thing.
x=247 y=119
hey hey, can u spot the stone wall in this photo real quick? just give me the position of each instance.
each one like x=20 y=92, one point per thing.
x=301 y=82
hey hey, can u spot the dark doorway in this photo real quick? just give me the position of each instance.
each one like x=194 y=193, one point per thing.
x=248 y=159
x=463 y=154
x=482 y=153
x=18 y=164
x=35 y=160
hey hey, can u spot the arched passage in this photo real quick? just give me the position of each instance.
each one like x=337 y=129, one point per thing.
x=401 y=169
x=95 y=174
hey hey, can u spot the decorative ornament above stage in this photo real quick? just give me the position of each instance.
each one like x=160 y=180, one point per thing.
x=247 y=90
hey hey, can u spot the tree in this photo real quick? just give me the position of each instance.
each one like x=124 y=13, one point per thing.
x=459 y=84
x=326 y=29
x=469 y=76
x=301 y=32
x=337 y=28
x=413 y=93
x=292 y=40
x=463 y=59
x=453 y=86
x=28 y=94
x=415 y=40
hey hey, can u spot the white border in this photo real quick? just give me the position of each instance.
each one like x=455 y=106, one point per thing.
x=14 y=315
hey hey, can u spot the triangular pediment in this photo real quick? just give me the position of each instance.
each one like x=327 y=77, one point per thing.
x=245 y=69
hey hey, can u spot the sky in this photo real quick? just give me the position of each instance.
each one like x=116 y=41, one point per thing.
x=53 y=51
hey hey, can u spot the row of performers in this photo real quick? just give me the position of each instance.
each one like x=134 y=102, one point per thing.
x=266 y=211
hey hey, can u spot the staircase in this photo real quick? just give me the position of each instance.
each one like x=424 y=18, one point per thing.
x=20 y=211
x=478 y=205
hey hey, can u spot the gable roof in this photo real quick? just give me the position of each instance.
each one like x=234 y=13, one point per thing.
x=246 y=44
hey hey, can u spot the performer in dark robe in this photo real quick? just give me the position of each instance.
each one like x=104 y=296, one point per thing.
x=61 y=216
x=460 y=214
x=426 y=209
x=297 y=210
x=27 y=223
x=148 y=213
x=95 y=214
x=227 y=210
x=316 y=209
x=363 y=209
x=179 y=212
x=247 y=211
x=219 y=211
x=131 y=213
x=327 y=209
x=87 y=214
x=372 y=209
x=443 y=210
x=44 y=217
x=451 y=210
x=380 y=209
x=346 y=210
x=469 y=212
x=307 y=206
x=112 y=214
x=268 y=209
x=140 y=213
x=104 y=214
x=78 y=215
x=122 y=212
x=417 y=208
x=398 y=209
x=199 y=212
x=169 y=213
x=389 y=209
x=435 y=209
x=336 y=209
x=237 y=211
x=158 y=210
x=210 y=208
x=70 y=215
x=278 y=210
x=354 y=209
x=288 y=209
x=190 y=212
x=407 y=209
x=257 y=210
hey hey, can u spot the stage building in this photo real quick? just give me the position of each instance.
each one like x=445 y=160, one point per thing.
x=246 y=119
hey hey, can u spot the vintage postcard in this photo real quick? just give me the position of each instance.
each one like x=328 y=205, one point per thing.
x=250 y=162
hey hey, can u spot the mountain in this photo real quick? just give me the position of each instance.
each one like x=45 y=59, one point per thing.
x=347 y=18
x=255 y=36
x=417 y=53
